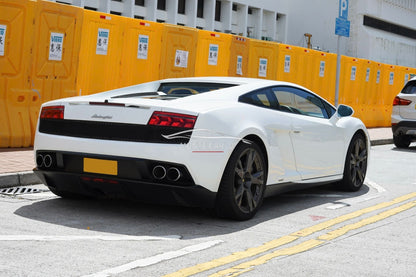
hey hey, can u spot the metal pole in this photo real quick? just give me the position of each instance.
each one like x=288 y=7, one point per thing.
x=338 y=72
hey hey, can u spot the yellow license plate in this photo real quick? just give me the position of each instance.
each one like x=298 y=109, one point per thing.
x=99 y=166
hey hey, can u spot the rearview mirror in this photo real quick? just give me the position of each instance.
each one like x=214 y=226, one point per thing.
x=344 y=110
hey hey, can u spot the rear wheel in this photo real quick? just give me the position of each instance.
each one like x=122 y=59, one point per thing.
x=401 y=141
x=241 y=191
x=355 y=167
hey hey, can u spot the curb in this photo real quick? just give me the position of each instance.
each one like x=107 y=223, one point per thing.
x=381 y=142
x=18 y=179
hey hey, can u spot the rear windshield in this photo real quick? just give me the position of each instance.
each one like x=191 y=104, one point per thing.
x=185 y=89
x=410 y=88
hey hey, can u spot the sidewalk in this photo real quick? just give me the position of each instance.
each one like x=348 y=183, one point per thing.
x=16 y=164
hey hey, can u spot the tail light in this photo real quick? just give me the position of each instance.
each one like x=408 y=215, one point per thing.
x=401 y=102
x=172 y=120
x=54 y=112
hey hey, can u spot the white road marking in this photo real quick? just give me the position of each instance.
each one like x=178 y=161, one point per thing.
x=155 y=259
x=375 y=186
x=338 y=206
x=74 y=238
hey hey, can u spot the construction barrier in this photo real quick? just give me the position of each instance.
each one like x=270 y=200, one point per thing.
x=287 y=63
x=50 y=50
x=57 y=40
x=140 y=58
x=100 y=52
x=178 y=52
x=262 y=62
x=239 y=52
x=212 y=53
x=16 y=95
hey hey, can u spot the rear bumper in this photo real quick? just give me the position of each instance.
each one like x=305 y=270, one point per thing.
x=116 y=188
x=134 y=179
x=404 y=128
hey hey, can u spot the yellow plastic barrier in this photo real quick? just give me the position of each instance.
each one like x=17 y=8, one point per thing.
x=57 y=40
x=213 y=54
x=390 y=88
x=178 y=51
x=140 y=58
x=16 y=28
x=262 y=62
x=287 y=63
x=368 y=93
x=239 y=52
x=351 y=78
x=317 y=71
x=100 y=53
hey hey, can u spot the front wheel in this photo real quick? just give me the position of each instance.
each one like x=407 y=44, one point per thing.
x=355 y=167
x=242 y=187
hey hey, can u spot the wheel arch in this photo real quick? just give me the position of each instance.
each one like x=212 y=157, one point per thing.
x=256 y=139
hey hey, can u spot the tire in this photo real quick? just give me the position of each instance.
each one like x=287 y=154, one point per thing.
x=242 y=186
x=401 y=141
x=355 y=167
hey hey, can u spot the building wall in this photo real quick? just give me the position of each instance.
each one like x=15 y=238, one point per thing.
x=287 y=21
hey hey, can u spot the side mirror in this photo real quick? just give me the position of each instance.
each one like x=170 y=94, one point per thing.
x=344 y=110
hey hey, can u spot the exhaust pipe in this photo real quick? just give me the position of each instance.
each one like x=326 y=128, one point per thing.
x=44 y=160
x=159 y=172
x=173 y=174
x=47 y=160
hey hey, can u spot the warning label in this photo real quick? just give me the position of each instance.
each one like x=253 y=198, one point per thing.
x=102 y=41
x=2 y=38
x=56 y=47
x=143 y=47
x=213 y=54
x=181 y=58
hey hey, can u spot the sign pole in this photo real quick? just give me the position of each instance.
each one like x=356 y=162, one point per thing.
x=338 y=72
x=342 y=28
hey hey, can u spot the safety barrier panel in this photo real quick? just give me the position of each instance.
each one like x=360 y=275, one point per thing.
x=57 y=40
x=287 y=63
x=212 y=53
x=239 y=52
x=100 y=53
x=16 y=96
x=262 y=62
x=141 y=50
x=178 y=51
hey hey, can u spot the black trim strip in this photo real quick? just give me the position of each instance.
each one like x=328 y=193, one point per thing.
x=111 y=131
x=389 y=27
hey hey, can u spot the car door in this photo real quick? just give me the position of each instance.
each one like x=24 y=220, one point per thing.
x=317 y=142
x=276 y=126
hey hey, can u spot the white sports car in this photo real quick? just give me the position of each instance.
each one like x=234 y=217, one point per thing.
x=218 y=142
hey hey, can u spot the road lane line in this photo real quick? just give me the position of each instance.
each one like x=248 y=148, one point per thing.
x=310 y=244
x=156 y=259
x=75 y=238
x=376 y=186
x=284 y=240
x=233 y=257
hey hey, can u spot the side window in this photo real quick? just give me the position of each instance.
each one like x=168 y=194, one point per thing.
x=261 y=98
x=410 y=88
x=297 y=101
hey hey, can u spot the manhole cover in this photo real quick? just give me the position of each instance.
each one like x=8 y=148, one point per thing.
x=20 y=190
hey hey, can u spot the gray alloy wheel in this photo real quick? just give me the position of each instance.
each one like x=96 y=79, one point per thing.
x=355 y=167
x=242 y=187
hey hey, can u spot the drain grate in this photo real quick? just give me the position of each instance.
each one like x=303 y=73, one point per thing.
x=20 y=190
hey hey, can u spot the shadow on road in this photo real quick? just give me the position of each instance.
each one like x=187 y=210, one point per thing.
x=139 y=219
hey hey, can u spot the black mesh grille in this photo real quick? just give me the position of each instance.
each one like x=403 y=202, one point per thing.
x=111 y=131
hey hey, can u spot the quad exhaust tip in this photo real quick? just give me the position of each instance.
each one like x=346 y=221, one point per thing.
x=44 y=160
x=172 y=174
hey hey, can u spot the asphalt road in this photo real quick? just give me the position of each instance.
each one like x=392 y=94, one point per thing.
x=316 y=232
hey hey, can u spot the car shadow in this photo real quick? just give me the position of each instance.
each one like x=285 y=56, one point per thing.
x=140 y=219
x=411 y=148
